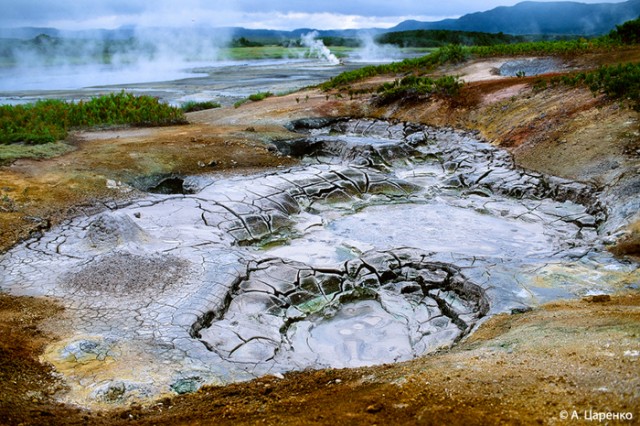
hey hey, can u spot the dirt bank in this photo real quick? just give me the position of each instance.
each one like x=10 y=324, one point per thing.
x=532 y=367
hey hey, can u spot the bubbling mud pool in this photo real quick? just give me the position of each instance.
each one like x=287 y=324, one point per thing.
x=388 y=242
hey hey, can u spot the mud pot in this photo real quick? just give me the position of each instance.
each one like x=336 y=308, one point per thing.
x=387 y=242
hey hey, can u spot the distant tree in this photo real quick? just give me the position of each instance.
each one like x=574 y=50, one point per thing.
x=627 y=33
x=439 y=38
x=245 y=42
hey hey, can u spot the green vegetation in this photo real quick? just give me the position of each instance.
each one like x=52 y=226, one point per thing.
x=546 y=48
x=11 y=152
x=627 y=33
x=256 y=97
x=275 y=52
x=439 y=38
x=341 y=42
x=244 y=42
x=446 y=54
x=193 y=106
x=455 y=53
x=50 y=120
x=260 y=96
x=413 y=87
x=618 y=82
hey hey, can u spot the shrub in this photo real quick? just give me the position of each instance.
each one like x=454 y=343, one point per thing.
x=50 y=120
x=618 y=82
x=627 y=33
x=413 y=87
x=193 y=106
x=260 y=96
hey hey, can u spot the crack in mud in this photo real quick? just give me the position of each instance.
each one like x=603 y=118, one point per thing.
x=389 y=241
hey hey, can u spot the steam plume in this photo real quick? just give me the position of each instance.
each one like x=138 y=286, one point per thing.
x=318 y=49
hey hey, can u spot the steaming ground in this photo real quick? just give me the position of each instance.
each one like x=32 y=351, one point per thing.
x=225 y=82
x=176 y=79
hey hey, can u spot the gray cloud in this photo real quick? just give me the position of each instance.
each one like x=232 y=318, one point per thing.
x=283 y=13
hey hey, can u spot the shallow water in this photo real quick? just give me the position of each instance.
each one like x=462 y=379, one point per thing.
x=221 y=81
x=388 y=242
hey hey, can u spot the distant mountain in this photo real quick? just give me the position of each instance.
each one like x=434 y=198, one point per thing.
x=561 y=18
x=526 y=18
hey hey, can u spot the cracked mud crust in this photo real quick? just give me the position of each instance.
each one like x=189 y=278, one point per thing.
x=515 y=369
x=524 y=368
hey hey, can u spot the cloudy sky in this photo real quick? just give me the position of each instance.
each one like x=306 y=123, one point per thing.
x=280 y=14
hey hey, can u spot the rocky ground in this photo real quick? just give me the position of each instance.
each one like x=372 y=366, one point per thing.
x=577 y=358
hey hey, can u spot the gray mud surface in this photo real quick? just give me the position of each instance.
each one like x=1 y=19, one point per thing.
x=390 y=241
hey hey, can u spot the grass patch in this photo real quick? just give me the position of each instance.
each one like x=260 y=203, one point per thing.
x=256 y=97
x=12 y=152
x=413 y=87
x=193 y=106
x=276 y=52
x=260 y=96
x=546 y=48
x=49 y=120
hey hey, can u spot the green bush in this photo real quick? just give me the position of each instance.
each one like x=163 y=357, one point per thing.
x=413 y=87
x=627 y=33
x=260 y=96
x=50 y=120
x=241 y=102
x=618 y=82
x=452 y=54
x=256 y=97
x=193 y=106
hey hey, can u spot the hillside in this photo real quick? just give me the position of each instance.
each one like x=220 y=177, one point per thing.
x=569 y=18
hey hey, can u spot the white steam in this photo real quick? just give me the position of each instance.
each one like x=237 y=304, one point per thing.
x=373 y=52
x=124 y=56
x=181 y=46
x=318 y=49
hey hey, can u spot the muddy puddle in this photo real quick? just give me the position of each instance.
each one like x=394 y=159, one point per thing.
x=531 y=67
x=387 y=242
